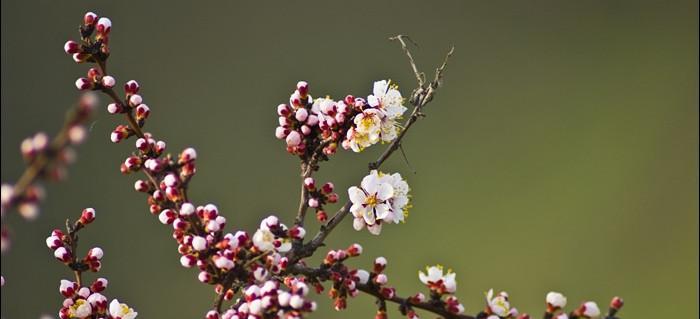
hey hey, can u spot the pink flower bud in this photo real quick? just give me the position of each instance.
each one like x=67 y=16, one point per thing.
x=108 y=81
x=80 y=57
x=283 y=121
x=142 y=112
x=305 y=129
x=68 y=288
x=87 y=216
x=379 y=264
x=312 y=120
x=281 y=132
x=297 y=232
x=354 y=250
x=313 y=202
x=179 y=224
x=293 y=139
x=381 y=279
x=83 y=84
x=199 y=243
x=89 y=18
x=63 y=254
x=617 y=303
x=186 y=209
x=141 y=186
x=283 y=110
x=301 y=114
x=104 y=25
x=212 y=314
x=327 y=188
x=114 y=108
x=188 y=261
x=321 y=216
x=303 y=88
x=135 y=100
x=95 y=253
x=71 y=47
x=131 y=87
x=171 y=180
x=167 y=216
x=188 y=155
x=54 y=242
x=99 y=285
x=309 y=183
x=204 y=277
x=332 y=198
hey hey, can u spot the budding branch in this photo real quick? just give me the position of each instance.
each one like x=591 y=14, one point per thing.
x=421 y=96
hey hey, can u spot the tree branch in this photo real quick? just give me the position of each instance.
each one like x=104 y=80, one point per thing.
x=370 y=289
x=420 y=97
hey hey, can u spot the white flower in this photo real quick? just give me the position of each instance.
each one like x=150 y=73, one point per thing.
x=80 y=309
x=356 y=141
x=556 y=300
x=437 y=280
x=381 y=198
x=121 y=310
x=369 y=123
x=387 y=98
x=370 y=202
x=499 y=304
x=389 y=129
x=266 y=240
x=400 y=200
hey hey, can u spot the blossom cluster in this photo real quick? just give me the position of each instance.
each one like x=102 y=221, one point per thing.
x=46 y=159
x=320 y=196
x=556 y=302
x=270 y=299
x=441 y=285
x=310 y=126
x=84 y=301
x=265 y=275
x=94 y=46
x=381 y=198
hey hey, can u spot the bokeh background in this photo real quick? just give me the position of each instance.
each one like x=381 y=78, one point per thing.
x=561 y=154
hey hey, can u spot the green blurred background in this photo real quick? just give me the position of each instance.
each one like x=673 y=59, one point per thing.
x=561 y=154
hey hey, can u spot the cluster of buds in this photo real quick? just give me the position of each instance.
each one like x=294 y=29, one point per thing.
x=273 y=236
x=63 y=245
x=89 y=302
x=317 y=126
x=343 y=279
x=556 y=302
x=84 y=301
x=95 y=80
x=94 y=44
x=269 y=299
x=442 y=287
x=47 y=159
x=320 y=196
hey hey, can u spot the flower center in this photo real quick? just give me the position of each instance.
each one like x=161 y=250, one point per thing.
x=372 y=201
x=367 y=121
